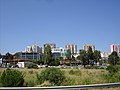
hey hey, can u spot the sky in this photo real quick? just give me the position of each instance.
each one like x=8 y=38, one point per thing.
x=27 y=22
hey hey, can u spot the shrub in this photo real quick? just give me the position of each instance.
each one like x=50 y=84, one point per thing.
x=113 y=69
x=111 y=78
x=91 y=67
x=113 y=75
x=54 y=75
x=11 y=78
x=32 y=65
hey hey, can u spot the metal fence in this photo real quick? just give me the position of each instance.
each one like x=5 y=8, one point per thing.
x=77 y=87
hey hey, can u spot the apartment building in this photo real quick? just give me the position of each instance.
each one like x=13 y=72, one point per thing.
x=72 y=47
x=86 y=47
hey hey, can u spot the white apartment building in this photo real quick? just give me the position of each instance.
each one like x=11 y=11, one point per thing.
x=59 y=52
x=86 y=47
x=33 y=48
x=115 y=47
x=72 y=47
x=104 y=55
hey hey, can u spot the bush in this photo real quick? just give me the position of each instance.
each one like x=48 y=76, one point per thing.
x=111 y=78
x=113 y=69
x=11 y=78
x=32 y=65
x=113 y=75
x=91 y=67
x=54 y=75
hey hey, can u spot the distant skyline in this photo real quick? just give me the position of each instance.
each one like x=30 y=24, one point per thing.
x=27 y=22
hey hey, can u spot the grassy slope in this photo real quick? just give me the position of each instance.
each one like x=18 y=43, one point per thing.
x=85 y=76
x=73 y=76
x=79 y=76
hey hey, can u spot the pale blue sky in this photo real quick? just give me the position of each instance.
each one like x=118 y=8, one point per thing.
x=27 y=22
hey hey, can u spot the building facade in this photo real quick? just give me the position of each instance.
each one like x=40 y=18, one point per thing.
x=105 y=55
x=52 y=45
x=59 y=52
x=33 y=48
x=86 y=47
x=115 y=47
x=29 y=55
x=72 y=47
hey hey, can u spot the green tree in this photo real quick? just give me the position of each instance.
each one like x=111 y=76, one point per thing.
x=47 y=55
x=17 y=55
x=90 y=56
x=73 y=58
x=83 y=57
x=32 y=65
x=113 y=58
x=40 y=61
x=0 y=55
x=97 y=56
x=68 y=54
x=54 y=75
x=12 y=78
x=54 y=62
x=8 y=56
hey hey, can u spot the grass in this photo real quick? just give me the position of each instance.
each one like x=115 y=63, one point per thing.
x=73 y=76
x=84 y=76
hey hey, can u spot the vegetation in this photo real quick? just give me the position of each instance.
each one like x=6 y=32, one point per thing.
x=89 y=57
x=48 y=57
x=83 y=57
x=114 y=73
x=11 y=78
x=113 y=69
x=54 y=62
x=113 y=58
x=31 y=65
x=54 y=75
x=40 y=61
x=8 y=56
x=97 y=56
x=49 y=76
x=68 y=54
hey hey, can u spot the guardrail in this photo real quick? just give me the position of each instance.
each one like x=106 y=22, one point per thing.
x=64 y=87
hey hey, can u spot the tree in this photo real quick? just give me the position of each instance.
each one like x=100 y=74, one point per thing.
x=32 y=65
x=47 y=55
x=12 y=78
x=97 y=56
x=90 y=56
x=73 y=58
x=0 y=55
x=68 y=54
x=8 y=56
x=17 y=55
x=40 y=61
x=54 y=75
x=83 y=57
x=113 y=58
x=54 y=62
